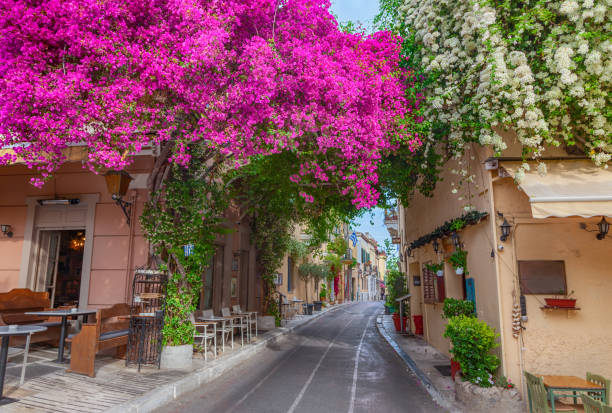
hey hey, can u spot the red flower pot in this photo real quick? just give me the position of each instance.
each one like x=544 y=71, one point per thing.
x=418 y=324
x=396 y=321
x=455 y=368
x=561 y=302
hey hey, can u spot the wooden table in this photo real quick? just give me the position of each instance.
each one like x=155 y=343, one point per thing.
x=6 y=332
x=64 y=314
x=557 y=385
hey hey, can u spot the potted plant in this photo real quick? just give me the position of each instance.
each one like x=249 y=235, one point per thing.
x=459 y=261
x=454 y=307
x=437 y=268
x=396 y=287
x=565 y=301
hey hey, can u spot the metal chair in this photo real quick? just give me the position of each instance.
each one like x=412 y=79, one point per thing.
x=538 y=397
x=238 y=321
x=594 y=406
x=603 y=382
x=288 y=308
x=252 y=320
x=206 y=332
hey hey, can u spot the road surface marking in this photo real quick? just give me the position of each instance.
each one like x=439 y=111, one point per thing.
x=301 y=394
x=354 y=386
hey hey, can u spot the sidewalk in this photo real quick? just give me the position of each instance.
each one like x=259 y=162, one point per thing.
x=48 y=388
x=422 y=359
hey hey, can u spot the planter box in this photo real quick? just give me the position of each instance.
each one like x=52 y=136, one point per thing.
x=561 y=302
x=418 y=324
x=308 y=308
x=177 y=357
x=317 y=305
x=396 y=322
x=266 y=322
x=489 y=399
x=455 y=368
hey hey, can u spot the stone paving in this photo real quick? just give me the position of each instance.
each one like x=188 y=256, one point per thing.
x=49 y=388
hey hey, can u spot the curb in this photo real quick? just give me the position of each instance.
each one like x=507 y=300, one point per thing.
x=166 y=393
x=420 y=374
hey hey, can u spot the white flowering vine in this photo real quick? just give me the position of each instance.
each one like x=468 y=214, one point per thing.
x=542 y=68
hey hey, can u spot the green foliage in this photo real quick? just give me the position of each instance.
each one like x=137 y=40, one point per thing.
x=473 y=341
x=457 y=224
x=446 y=229
x=392 y=258
x=297 y=249
x=459 y=259
x=435 y=267
x=186 y=211
x=396 y=287
x=323 y=292
x=454 y=307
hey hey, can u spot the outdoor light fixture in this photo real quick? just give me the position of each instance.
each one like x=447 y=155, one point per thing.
x=456 y=240
x=505 y=229
x=409 y=252
x=436 y=245
x=604 y=227
x=74 y=201
x=6 y=230
x=117 y=183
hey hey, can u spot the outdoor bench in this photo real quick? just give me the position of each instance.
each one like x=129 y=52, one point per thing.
x=110 y=330
x=18 y=301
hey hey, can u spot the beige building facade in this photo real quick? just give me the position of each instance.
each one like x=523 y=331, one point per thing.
x=551 y=249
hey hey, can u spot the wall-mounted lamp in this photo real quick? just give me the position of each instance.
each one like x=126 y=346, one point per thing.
x=409 y=253
x=117 y=183
x=505 y=230
x=456 y=240
x=436 y=245
x=6 y=230
x=604 y=227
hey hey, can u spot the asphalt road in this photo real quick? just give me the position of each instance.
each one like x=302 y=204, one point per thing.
x=336 y=363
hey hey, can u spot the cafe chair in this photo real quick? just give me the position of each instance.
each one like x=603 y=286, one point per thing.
x=538 y=397
x=594 y=406
x=204 y=335
x=238 y=322
x=603 y=382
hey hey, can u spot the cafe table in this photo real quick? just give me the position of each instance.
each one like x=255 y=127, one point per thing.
x=6 y=332
x=297 y=303
x=64 y=314
x=223 y=330
x=569 y=386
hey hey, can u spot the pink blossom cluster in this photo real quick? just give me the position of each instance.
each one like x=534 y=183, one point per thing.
x=250 y=77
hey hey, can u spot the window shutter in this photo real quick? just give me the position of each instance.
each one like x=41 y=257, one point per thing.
x=440 y=287
x=429 y=288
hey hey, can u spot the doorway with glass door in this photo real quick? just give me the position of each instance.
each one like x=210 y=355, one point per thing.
x=59 y=265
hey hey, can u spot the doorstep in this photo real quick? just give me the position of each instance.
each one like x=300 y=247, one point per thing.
x=422 y=359
x=117 y=388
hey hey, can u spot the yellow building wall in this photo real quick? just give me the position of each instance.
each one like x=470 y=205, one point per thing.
x=423 y=215
x=559 y=341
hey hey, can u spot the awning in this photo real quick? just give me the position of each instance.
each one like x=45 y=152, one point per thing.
x=569 y=188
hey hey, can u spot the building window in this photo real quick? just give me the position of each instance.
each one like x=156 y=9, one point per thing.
x=434 y=290
x=542 y=277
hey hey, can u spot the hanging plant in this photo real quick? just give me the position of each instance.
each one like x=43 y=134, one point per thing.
x=459 y=261
x=437 y=268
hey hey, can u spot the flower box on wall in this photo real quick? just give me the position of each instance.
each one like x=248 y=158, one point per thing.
x=561 y=302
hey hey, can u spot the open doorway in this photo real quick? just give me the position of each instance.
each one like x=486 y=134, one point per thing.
x=59 y=265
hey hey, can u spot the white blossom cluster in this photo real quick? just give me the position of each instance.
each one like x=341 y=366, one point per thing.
x=549 y=80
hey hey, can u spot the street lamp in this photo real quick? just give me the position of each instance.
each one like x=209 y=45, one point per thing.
x=6 y=230
x=436 y=245
x=456 y=240
x=117 y=183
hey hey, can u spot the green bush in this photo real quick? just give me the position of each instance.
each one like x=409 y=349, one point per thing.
x=459 y=259
x=454 y=307
x=396 y=287
x=473 y=341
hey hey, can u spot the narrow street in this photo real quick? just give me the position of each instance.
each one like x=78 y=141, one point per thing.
x=337 y=363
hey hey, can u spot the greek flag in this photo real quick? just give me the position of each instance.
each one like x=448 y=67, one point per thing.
x=353 y=238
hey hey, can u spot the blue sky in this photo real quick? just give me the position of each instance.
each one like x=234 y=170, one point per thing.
x=363 y=12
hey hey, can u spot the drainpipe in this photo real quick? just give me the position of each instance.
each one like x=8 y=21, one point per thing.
x=130 y=259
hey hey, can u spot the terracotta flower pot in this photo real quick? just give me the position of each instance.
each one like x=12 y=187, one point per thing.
x=418 y=324
x=561 y=302
x=455 y=368
x=396 y=321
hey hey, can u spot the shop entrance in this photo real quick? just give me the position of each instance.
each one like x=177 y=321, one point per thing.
x=59 y=265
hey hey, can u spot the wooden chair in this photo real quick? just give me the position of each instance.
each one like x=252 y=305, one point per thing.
x=538 y=397
x=594 y=406
x=110 y=330
x=205 y=332
x=603 y=382
x=18 y=301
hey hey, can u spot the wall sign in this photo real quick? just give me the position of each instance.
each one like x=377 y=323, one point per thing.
x=416 y=280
